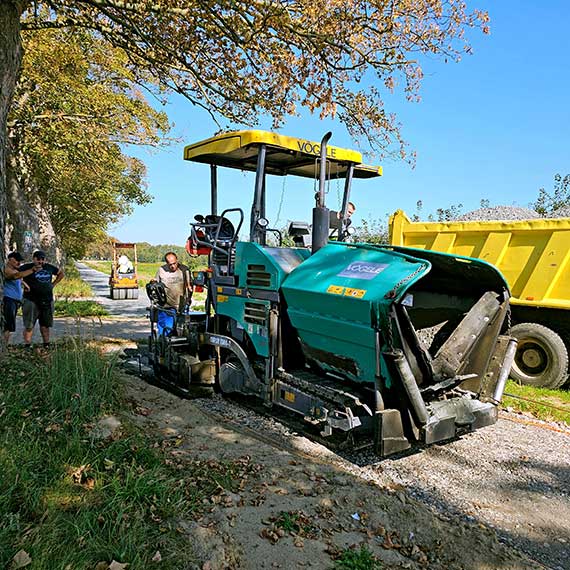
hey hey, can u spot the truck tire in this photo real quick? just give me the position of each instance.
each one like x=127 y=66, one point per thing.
x=541 y=358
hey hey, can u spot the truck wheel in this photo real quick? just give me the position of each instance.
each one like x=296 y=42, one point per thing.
x=541 y=358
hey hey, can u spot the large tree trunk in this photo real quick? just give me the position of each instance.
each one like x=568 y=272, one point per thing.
x=10 y=61
x=28 y=224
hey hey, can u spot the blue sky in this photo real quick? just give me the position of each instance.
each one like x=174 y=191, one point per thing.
x=494 y=126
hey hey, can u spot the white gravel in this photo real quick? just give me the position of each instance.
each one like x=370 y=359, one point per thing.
x=499 y=213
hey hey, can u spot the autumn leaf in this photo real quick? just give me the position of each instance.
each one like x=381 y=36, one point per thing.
x=20 y=560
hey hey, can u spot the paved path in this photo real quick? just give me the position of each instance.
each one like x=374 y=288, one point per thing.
x=121 y=307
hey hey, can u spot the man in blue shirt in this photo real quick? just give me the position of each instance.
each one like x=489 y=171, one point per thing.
x=12 y=292
x=38 y=300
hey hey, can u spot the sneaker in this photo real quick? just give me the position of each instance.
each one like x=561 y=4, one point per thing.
x=28 y=346
x=47 y=344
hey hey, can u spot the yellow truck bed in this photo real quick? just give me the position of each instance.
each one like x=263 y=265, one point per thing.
x=534 y=257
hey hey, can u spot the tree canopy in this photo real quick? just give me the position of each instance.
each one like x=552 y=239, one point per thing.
x=240 y=59
x=557 y=202
x=74 y=105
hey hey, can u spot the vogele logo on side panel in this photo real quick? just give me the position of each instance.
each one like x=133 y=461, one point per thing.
x=362 y=270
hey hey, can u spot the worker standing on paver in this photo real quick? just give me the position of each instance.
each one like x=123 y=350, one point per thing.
x=176 y=279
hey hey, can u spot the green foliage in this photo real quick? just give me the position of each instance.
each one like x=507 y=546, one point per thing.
x=371 y=231
x=71 y=500
x=441 y=214
x=357 y=559
x=66 y=308
x=542 y=403
x=549 y=203
x=155 y=253
x=75 y=107
x=101 y=249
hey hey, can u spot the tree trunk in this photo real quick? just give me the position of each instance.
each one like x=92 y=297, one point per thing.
x=10 y=62
x=28 y=223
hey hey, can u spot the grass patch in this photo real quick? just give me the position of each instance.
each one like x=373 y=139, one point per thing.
x=295 y=522
x=357 y=559
x=72 y=286
x=70 y=500
x=548 y=405
x=67 y=308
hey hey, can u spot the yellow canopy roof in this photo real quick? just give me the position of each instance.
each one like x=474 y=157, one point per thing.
x=285 y=155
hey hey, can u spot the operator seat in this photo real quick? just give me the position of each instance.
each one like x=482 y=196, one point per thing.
x=215 y=234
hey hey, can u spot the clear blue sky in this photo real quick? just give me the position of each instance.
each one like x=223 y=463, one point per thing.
x=494 y=126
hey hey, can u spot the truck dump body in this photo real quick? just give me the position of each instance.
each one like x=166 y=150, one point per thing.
x=533 y=255
x=534 y=258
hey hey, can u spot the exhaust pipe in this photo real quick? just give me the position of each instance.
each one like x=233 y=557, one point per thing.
x=320 y=212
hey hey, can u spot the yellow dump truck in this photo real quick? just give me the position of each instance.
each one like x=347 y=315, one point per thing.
x=534 y=257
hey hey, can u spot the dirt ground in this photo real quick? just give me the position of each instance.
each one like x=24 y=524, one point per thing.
x=335 y=504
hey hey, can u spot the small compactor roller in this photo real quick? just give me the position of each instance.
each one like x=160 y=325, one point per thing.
x=123 y=282
x=366 y=344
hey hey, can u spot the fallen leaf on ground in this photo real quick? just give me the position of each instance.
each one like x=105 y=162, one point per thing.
x=157 y=557
x=21 y=559
x=117 y=565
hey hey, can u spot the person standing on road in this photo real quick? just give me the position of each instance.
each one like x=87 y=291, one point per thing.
x=13 y=291
x=38 y=301
x=176 y=279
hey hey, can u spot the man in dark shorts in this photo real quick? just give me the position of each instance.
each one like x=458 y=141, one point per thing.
x=12 y=292
x=38 y=301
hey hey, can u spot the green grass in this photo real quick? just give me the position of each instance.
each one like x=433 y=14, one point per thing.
x=548 y=405
x=357 y=559
x=72 y=286
x=66 y=308
x=294 y=522
x=71 y=501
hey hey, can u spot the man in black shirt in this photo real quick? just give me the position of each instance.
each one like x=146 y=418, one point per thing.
x=38 y=299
